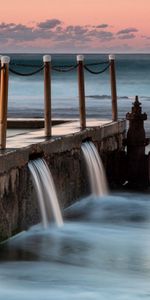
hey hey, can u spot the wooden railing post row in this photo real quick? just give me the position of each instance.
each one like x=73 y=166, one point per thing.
x=81 y=89
x=47 y=95
x=113 y=87
x=4 y=100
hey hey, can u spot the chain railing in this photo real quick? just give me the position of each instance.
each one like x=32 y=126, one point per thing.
x=26 y=74
x=96 y=72
x=47 y=67
x=57 y=68
x=64 y=69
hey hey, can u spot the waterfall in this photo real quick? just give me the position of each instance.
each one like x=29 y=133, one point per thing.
x=45 y=190
x=95 y=169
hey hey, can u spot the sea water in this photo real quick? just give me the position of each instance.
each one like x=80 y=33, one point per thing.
x=101 y=252
x=26 y=93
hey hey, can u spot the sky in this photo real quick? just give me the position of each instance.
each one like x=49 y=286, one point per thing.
x=75 y=26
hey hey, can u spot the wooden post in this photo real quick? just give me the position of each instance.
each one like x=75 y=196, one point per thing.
x=0 y=72
x=4 y=100
x=80 y=59
x=113 y=87
x=47 y=95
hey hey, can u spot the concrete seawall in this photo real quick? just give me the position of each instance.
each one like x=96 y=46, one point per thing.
x=18 y=204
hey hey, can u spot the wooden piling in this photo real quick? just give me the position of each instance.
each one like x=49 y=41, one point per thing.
x=113 y=88
x=81 y=88
x=0 y=72
x=47 y=95
x=4 y=100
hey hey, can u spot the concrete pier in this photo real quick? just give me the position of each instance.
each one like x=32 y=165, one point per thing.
x=62 y=152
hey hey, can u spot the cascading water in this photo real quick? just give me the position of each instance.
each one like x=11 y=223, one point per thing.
x=46 y=193
x=95 y=169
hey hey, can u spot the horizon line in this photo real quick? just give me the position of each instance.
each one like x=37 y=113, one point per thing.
x=76 y=53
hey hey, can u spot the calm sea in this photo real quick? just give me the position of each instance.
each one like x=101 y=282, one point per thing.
x=26 y=93
x=102 y=253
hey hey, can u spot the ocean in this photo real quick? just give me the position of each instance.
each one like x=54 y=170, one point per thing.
x=26 y=93
x=102 y=251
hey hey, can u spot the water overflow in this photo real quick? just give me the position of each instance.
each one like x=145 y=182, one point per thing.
x=46 y=193
x=45 y=188
x=95 y=169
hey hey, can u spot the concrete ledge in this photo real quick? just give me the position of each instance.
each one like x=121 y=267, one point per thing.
x=18 y=204
x=20 y=148
x=31 y=123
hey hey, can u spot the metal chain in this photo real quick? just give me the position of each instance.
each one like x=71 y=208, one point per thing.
x=26 y=74
x=25 y=65
x=98 y=63
x=62 y=68
x=96 y=72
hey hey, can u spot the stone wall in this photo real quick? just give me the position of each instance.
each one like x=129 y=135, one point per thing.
x=18 y=205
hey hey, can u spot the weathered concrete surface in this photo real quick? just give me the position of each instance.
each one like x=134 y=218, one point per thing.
x=18 y=205
x=34 y=123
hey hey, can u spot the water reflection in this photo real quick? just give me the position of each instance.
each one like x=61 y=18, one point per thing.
x=102 y=252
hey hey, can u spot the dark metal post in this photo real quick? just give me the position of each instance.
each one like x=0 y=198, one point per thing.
x=4 y=100
x=113 y=87
x=47 y=95
x=81 y=88
x=136 y=143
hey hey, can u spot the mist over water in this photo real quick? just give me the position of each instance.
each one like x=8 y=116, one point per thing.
x=102 y=252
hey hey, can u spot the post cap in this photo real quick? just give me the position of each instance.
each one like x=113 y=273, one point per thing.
x=80 y=57
x=47 y=58
x=5 y=59
x=111 y=56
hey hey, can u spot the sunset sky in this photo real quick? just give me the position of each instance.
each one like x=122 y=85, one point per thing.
x=75 y=26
